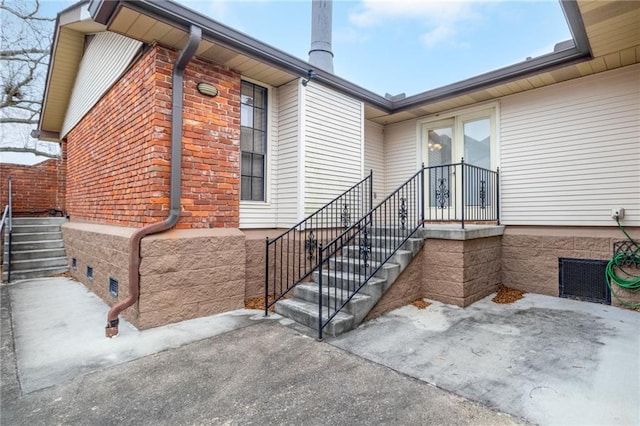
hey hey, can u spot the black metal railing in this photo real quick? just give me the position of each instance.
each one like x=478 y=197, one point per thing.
x=291 y=257
x=349 y=261
x=462 y=193
x=7 y=216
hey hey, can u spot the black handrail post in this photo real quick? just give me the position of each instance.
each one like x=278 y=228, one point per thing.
x=462 y=185
x=422 y=200
x=266 y=278
x=10 y=229
x=498 y=195
x=320 y=250
x=370 y=189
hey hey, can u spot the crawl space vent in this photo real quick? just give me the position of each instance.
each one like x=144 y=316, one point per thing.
x=584 y=279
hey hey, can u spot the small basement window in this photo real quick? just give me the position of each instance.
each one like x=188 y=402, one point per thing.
x=113 y=287
x=583 y=279
x=89 y=272
x=74 y=263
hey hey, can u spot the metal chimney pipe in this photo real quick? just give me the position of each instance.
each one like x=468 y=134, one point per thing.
x=320 y=54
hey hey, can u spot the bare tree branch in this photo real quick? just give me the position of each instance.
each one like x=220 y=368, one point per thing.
x=29 y=150
x=22 y=15
x=7 y=120
x=8 y=54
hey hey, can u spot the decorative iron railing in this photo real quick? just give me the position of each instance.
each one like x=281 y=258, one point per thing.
x=7 y=216
x=461 y=193
x=349 y=261
x=291 y=257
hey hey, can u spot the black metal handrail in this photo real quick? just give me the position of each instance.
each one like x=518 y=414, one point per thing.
x=7 y=216
x=463 y=193
x=292 y=256
x=351 y=261
x=351 y=254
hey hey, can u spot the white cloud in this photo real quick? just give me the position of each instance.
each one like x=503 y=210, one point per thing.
x=440 y=20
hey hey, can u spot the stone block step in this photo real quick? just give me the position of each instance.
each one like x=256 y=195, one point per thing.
x=24 y=265
x=412 y=244
x=39 y=221
x=33 y=245
x=306 y=313
x=34 y=273
x=36 y=236
x=36 y=254
x=333 y=298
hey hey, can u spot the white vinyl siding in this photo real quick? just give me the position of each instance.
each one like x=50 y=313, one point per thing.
x=333 y=126
x=287 y=174
x=400 y=153
x=570 y=152
x=374 y=156
x=263 y=214
x=107 y=56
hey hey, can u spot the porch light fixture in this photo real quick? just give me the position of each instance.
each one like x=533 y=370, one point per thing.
x=207 y=89
x=310 y=74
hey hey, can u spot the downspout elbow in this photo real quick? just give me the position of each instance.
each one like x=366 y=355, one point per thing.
x=177 y=81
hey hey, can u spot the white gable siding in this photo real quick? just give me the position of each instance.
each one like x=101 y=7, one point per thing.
x=256 y=214
x=570 y=152
x=400 y=153
x=107 y=56
x=333 y=131
x=288 y=146
x=374 y=156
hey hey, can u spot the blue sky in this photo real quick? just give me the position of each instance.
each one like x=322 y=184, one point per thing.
x=402 y=45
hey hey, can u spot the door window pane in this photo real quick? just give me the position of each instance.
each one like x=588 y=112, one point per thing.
x=477 y=142
x=439 y=153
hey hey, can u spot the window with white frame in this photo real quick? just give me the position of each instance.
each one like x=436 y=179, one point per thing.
x=253 y=141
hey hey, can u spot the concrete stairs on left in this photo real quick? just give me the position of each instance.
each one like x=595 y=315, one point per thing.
x=37 y=248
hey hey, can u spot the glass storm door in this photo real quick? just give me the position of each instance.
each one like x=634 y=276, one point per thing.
x=438 y=150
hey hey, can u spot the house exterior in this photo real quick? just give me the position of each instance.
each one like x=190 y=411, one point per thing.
x=267 y=150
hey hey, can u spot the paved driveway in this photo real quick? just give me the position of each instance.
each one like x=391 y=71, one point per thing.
x=545 y=359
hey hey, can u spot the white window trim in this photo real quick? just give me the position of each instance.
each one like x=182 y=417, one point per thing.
x=457 y=117
x=269 y=180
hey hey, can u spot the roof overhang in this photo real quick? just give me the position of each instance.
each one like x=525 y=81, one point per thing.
x=605 y=36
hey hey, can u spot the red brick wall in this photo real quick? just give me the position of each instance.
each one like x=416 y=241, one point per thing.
x=118 y=167
x=36 y=189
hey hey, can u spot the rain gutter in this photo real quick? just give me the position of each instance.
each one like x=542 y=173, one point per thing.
x=177 y=80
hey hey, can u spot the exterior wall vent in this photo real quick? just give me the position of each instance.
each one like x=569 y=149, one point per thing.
x=113 y=287
x=74 y=263
x=583 y=279
x=89 y=272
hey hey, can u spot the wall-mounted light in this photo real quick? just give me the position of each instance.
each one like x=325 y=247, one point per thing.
x=207 y=89
x=310 y=75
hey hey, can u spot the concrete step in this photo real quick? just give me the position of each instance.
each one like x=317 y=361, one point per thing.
x=374 y=287
x=32 y=229
x=37 y=254
x=389 y=271
x=33 y=245
x=306 y=313
x=38 y=221
x=377 y=254
x=36 y=236
x=412 y=244
x=24 y=265
x=333 y=298
x=34 y=273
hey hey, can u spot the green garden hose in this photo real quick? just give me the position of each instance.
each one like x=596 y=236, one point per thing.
x=614 y=270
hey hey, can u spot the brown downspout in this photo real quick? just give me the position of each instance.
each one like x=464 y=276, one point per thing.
x=177 y=79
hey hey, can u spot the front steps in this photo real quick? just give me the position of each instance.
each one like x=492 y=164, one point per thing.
x=303 y=306
x=37 y=248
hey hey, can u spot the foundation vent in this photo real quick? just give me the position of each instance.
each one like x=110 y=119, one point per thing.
x=74 y=263
x=113 y=287
x=584 y=279
x=89 y=272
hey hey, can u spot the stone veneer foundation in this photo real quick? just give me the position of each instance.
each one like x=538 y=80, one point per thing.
x=530 y=255
x=184 y=274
